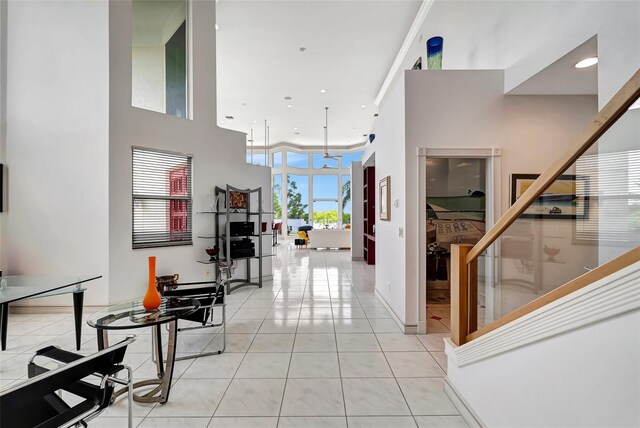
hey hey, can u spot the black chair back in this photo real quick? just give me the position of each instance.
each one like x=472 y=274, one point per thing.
x=207 y=293
x=34 y=403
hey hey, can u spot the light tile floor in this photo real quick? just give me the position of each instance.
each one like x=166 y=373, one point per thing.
x=314 y=347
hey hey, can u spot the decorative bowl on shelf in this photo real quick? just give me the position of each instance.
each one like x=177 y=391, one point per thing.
x=212 y=252
x=551 y=252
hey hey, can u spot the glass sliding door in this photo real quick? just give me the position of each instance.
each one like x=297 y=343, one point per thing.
x=297 y=201
x=325 y=202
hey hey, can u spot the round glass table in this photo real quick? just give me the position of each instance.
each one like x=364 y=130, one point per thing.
x=132 y=315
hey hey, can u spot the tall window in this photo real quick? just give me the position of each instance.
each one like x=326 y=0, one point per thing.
x=346 y=199
x=297 y=200
x=162 y=199
x=325 y=201
x=256 y=157
x=297 y=160
x=277 y=196
x=349 y=157
x=277 y=160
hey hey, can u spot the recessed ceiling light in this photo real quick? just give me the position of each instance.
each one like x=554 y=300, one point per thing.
x=255 y=121
x=295 y=129
x=303 y=49
x=287 y=98
x=363 y=106
x=244 y=104
x=217 y=27
x=296 y=133
x=289 y=105
x=587 y=62
x=323 y=91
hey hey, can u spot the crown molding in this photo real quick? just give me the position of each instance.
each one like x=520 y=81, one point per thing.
x=404 y=49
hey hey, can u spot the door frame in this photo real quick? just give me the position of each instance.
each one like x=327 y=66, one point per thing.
x=493 y=186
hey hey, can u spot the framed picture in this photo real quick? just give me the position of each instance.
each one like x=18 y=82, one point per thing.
x=567 y=198
x=238 y=200
x=385 y=198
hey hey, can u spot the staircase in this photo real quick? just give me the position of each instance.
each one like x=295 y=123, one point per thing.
x=548 y=340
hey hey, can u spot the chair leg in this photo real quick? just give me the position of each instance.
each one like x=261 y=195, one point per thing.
x=130 y=395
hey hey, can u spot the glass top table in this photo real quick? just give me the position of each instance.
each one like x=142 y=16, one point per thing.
x=20 y=287
x=14 y=288
x=131 y=315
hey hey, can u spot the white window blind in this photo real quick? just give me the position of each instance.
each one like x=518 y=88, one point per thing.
x=162 y=200
x=614 y=197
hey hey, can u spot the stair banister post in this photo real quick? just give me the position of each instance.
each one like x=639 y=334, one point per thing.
x=460 y=296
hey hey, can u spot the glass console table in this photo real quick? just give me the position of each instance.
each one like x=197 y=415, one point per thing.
x=14 y=288
x=131 y=315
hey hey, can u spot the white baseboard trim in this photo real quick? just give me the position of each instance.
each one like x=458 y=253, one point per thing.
x=466 y=412
x=406 y=328
x=614 y=295
x=357 y=258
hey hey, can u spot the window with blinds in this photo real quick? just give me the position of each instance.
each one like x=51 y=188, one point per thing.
x=162 y=202
x=614 y=211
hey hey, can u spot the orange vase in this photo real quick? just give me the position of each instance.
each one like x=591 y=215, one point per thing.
x=151 y=299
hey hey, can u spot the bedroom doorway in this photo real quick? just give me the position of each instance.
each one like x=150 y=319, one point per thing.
x=456 y=213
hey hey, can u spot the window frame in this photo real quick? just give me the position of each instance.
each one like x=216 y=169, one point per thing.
x=136 y=241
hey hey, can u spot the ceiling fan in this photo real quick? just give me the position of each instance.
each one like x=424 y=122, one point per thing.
x=326 y=141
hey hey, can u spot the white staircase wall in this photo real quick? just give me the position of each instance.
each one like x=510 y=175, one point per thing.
x=573 y=363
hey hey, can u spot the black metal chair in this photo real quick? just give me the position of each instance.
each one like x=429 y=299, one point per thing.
x=34 y=403
x=210 y=294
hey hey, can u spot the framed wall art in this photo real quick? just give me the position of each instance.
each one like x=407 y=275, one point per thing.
x=567 y=198
x=238 y=200
x=385 y=198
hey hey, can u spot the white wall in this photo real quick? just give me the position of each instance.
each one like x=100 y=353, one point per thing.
x=390 y=157
x=149 y=91
x=57 y=98
x=524 y=37
x=587 y=377
x=219 y=155
x=68 y=147
x=425 y=112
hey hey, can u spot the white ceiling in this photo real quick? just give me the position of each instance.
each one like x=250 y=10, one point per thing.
x=154 y=21
x=562 y=78
x=350 y=46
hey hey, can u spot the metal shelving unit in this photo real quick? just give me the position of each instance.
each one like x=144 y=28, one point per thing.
x=222 y=233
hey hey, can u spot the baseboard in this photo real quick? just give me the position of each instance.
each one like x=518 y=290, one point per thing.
x=357 y=258
x=459 y=402
x=407 y=329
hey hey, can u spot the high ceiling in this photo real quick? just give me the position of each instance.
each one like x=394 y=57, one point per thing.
x=562 y=78
x=349 y=47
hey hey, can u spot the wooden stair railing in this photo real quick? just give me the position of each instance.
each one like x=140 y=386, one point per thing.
x=464 y=263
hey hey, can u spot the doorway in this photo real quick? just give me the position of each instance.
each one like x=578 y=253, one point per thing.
x=457 y=204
